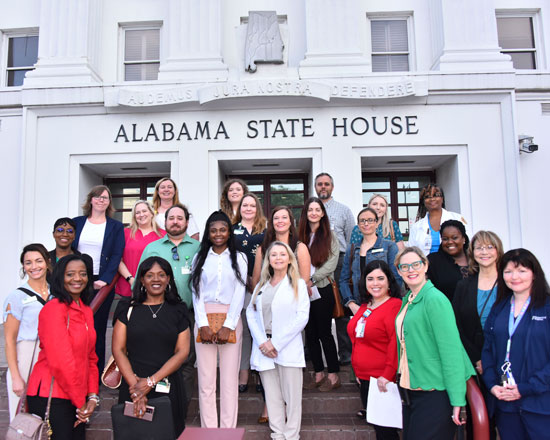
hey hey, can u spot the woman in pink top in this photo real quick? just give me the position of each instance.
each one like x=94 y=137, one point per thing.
x=142 y=231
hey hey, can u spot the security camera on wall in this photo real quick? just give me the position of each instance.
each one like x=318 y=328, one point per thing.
x=526 y=144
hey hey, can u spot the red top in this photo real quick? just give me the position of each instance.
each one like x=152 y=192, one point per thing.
x=376 y=353
x=132 y=254
x=67 y=343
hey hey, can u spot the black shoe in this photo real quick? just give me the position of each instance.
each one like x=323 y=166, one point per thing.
x=345 y=363
x=259 y=388
x=243 y=388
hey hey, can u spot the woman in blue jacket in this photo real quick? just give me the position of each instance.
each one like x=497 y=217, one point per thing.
x=516 y=352
x=102 y=238
x=371 y=248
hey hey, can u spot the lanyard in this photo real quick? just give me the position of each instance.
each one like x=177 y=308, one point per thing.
x=512 y=326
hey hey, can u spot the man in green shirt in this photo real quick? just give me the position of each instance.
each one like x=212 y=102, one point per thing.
x=178 y=249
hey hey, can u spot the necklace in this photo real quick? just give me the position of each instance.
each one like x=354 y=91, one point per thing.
x=154 y=313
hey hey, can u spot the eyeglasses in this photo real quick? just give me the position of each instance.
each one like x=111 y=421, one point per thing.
x=102 y=198
x=407 y=267
x=175 y=254
x=61 y=230
x=370 y=221
x=433 y=196
x=487 y=248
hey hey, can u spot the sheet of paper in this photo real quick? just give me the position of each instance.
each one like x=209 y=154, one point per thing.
x=314 y=294
x=384 y=409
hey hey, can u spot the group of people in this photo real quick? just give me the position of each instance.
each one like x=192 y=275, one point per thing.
x=427 y=316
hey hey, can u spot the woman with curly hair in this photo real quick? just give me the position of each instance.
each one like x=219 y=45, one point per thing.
x=232 y=194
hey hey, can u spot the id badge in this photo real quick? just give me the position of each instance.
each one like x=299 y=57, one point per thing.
x=163 y=386
x=238 y=232
x=360 y=329
x=185 y=270
x=30 y=299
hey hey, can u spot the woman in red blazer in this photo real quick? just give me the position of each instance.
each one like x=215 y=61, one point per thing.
x=67 y=356
x=372 y=333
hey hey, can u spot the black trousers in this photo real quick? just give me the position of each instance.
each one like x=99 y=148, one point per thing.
x=428 y=417
x=318 y=332
x=62 y=417
x=101 y=317
x=344 y=342
x=382 y=432
x=188 y=367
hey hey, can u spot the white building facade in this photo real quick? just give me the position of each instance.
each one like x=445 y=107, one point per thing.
x=383 y=96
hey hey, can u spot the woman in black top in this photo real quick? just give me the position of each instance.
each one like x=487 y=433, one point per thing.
x=249 y=232
x=449 y=264
x=151 y=340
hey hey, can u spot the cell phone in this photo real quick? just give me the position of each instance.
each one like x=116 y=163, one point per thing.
x=129 y=411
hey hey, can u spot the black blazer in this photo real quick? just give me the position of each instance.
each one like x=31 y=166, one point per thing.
x=444 y=273
x=113 y=246
x=467 y=318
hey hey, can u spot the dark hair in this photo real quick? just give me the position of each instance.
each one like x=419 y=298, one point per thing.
x=180 y=206
x=324 y=174
x=460 y=226
x=540 y=292
x=367 y=209
x=394 y=289
x=426 y=191
x=57 y=284
x=206 y=244
x=139 y=294
x=64 y=221
x=322 y=241
x=270 y=235
x=96 y=191
x=36 y=247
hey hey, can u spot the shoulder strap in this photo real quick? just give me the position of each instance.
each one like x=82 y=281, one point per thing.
x=32 y=294
x=392 y=232
x=351 y=255
x=487 y=299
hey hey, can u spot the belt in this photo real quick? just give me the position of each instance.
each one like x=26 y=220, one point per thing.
x=268 y=335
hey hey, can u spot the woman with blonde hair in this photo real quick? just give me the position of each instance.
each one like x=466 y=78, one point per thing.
x=142 y=231
x=232 y=194
x=165 y=196
x=387 y=228
x=277 y=314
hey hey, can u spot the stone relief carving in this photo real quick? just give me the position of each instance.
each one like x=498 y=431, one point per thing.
x=263 y=40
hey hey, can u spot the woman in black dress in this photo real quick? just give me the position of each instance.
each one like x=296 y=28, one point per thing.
x=151 y=340
x=449 y=264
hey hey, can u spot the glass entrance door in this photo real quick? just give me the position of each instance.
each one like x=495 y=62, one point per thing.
x=291 y=190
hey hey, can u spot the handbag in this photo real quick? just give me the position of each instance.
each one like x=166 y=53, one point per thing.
x=26 y=426
x=111 y=376
x=131 y=428
x=338 y=310
x=215 y=322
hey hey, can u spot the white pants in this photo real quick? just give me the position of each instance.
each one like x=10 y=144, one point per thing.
x=24 y=354
x=283 y=397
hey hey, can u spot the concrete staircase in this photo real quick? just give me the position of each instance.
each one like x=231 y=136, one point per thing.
x=324 y=415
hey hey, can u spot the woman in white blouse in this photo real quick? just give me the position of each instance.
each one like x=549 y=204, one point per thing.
x=277 y=314
x=219 y=274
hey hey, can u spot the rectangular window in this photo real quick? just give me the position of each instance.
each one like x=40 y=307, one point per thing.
x=141 y=54
x=401 y=189
x=127 y=191
x=517 y=39
x=390 y=45
x=22 y=55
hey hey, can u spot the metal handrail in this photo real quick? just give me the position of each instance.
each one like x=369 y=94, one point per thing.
x=102 y=294
x=480 y=416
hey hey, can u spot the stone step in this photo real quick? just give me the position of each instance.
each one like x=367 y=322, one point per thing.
x=328 y=415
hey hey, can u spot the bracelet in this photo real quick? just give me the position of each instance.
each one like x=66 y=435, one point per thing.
x=151 y=382
x=94 y=397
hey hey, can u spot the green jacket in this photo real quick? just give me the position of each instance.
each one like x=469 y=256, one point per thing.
x=437 y=360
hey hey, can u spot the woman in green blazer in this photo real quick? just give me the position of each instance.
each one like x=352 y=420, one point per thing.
x=433 y=365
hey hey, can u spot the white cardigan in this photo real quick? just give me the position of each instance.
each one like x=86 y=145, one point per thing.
x=289 y=318
x=420 y=231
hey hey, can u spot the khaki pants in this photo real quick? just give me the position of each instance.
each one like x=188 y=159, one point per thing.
x=24 y=354
x=283 y=387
